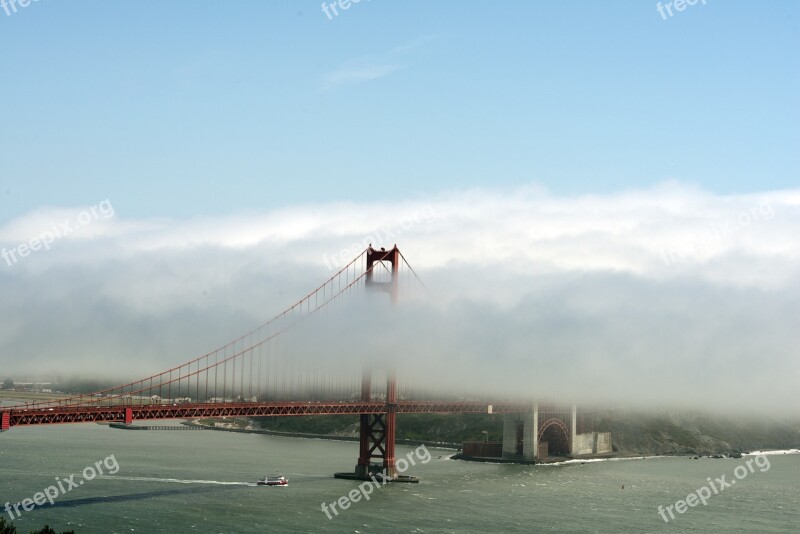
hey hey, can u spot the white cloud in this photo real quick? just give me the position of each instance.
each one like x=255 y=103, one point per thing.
x=669 y=294
x=355 y=73
x=372 y=67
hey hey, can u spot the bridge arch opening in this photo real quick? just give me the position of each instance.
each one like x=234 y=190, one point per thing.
x=555 y=433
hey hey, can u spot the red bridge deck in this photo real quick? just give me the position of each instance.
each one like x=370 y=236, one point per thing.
x=49 y=416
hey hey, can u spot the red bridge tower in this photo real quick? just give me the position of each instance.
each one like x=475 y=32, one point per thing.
x=377 y=431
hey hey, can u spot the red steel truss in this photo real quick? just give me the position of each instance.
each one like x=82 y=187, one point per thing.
x=51 y=416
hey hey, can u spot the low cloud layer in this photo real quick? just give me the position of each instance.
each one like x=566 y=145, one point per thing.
x=666 y=296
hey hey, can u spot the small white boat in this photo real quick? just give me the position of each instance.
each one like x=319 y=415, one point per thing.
x=273 y=480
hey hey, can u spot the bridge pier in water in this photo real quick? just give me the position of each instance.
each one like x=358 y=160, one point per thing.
x=377 y=437
x=377 y=433
x=551 y=430
x=526 y=435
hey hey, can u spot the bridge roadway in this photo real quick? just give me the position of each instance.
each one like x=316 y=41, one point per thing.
x=129 y=413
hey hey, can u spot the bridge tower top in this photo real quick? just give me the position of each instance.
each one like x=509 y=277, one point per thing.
x=391 y=256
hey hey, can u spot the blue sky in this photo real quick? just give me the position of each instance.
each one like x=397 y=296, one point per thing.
x=188 y=109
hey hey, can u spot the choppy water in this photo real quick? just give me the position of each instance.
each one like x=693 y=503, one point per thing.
x=202 y=482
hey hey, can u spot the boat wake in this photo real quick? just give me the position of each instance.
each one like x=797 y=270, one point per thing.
x=594 y=460
x=179 y=481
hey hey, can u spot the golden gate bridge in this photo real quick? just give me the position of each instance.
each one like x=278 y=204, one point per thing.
x=244 y=378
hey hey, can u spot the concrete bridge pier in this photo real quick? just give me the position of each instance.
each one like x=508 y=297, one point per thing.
x=520 y=435
x=510 y=435
x=530 y=438
x=522 y=432
x=573 y=429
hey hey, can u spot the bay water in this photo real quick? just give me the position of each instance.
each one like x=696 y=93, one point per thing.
x=203 y=481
